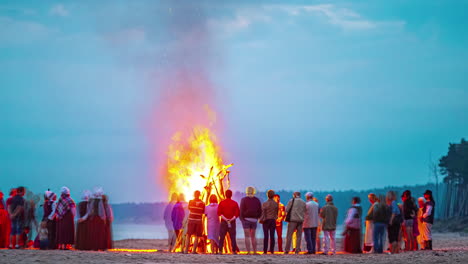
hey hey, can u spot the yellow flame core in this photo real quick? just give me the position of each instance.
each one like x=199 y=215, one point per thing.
x=190 y=157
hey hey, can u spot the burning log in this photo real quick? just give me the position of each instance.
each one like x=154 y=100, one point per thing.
x=215 y=184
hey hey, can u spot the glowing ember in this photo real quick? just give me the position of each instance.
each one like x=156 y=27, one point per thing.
x=133 y=250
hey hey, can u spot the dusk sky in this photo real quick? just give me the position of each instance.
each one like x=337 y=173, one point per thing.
x=315 y=95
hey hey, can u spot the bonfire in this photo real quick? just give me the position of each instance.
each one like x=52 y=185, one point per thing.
x=195 y=163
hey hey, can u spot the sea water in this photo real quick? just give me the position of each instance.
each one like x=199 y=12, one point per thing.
x=158 y=231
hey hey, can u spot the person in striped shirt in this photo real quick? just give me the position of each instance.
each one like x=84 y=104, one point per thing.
x=195 y=222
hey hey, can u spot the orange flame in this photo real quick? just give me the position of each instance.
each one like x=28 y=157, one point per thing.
x=192 y=159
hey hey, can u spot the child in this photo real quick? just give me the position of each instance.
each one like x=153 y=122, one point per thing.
x=43 y=236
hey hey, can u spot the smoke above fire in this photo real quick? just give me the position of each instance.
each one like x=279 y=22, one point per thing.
x=185 y=118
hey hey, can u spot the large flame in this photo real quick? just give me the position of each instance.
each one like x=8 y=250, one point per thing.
x=192 y=160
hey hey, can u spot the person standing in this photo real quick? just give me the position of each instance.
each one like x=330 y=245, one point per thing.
x=428 y=219
x=82 y=232
x=421 y=237
x=4 y=224
x=279 y=221
x=368 y=237
x=177 y=217
x=380 y=218
x=352 y=238
x=409 y=213
x=295 y=210
x=311 y=219
x=228 y=210
x=171 y=237
x=211 y=212
x=250 y=212
x=109 y=219
x=16 y=212
x=49 y=212
x=65 y=214
x=30 y=222
x=195 y=222
x=394 y=225
x=96 y=217
x=329 y=215
x=318 y=242
x=269 y=215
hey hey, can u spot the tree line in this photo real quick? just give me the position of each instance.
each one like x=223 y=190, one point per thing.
x=454 y=166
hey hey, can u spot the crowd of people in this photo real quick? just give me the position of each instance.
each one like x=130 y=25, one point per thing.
x=405 y=225
x=386 y=221
x=64 y=225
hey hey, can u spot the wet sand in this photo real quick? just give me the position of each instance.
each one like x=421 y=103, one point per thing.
x=448 y=248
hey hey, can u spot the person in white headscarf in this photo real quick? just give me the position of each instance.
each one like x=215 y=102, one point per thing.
x=96 y=216
x=109 y=219
x=65 y=214
x=82 y=234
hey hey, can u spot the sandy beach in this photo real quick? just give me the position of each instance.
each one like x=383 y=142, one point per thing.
x=449 y=248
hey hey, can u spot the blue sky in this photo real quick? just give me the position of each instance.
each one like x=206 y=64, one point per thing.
x=311 y=94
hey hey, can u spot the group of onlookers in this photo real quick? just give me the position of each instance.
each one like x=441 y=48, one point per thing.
x=408 y=221
x=185 y=223
x=17 y=224
x=57 y=228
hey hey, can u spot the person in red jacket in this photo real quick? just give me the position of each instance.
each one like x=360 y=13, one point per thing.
x=228 y=209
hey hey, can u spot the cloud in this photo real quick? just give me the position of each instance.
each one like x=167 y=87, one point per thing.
x=344 y=18
x=30 y=31
x=59 y=10
x=241 y=20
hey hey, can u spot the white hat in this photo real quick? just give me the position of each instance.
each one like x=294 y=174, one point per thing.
x=48 y=194
x=65 y=190
x=85 y=196
x=98 y=192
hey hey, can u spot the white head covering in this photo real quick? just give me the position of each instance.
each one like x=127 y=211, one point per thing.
x=48 y=194
x=85 y=196
x=65 y=190
x=98 y=192
x=309 y=194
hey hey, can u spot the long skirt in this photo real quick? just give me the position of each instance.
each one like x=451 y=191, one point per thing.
x=52 y=231
x=5 y=226
x=368 y=241
x=213 y=231
x=98 y=233
x=352 y=240
x=82 y=236
x=110 y=243
x=66 y=229
x=427 y=231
